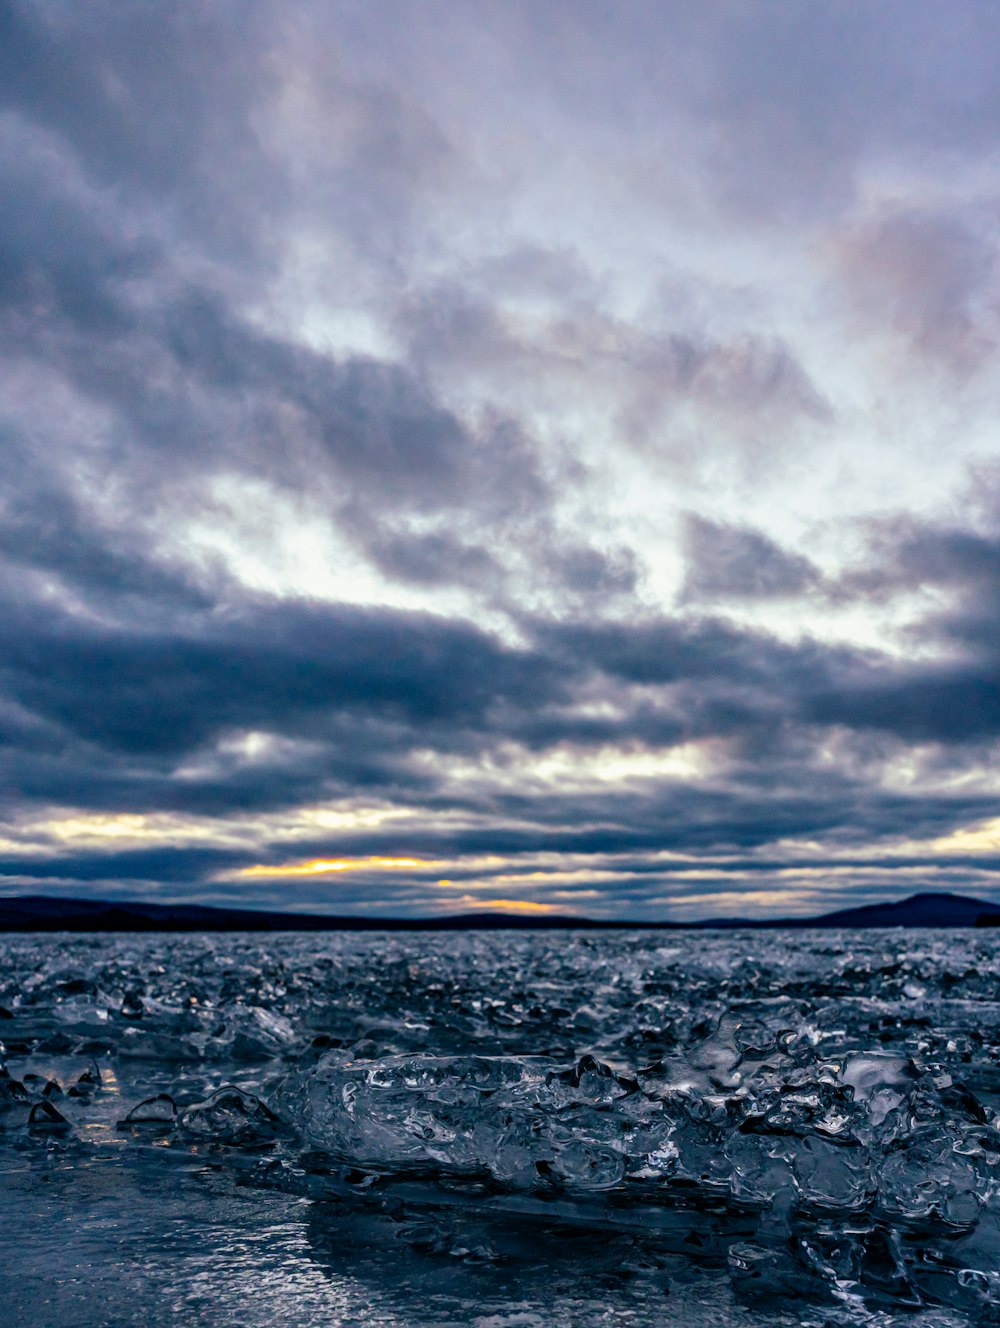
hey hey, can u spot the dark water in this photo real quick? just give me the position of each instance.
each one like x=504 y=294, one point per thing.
x=502 y=1130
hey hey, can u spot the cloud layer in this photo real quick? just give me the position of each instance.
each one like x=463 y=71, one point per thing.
x=549 y=459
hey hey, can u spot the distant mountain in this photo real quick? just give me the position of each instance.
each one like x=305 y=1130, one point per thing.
x=925 y=910
x=39 y=913
x=22 y=913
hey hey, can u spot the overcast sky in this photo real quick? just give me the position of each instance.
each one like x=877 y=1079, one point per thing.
x=531 y=451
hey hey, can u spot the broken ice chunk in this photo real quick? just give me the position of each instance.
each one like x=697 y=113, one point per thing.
x=44 y=1116
x=230 y=1116
x=11 y=1090
x=88 y=1082
x=259 y=1034
x=157 y=1112
x=880 y=1080
x=584 y=1164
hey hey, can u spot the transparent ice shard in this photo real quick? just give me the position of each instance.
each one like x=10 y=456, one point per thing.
x=158 y=1112
x=230 y=1116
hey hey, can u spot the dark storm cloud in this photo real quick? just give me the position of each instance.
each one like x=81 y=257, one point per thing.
x=950 y=700
x=283 y=667
x=735 y=682
x=347 y=696
x=941 y=705
x=666 y=650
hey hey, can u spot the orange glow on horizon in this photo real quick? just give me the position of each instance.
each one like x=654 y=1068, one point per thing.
x=512 y=905
x=326 y=866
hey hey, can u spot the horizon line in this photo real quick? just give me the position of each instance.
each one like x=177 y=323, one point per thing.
x=43 y=912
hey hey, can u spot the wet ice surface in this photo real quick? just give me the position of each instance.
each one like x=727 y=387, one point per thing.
x=502 y=1129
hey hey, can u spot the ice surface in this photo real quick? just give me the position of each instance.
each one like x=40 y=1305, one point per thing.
x=749 y=1128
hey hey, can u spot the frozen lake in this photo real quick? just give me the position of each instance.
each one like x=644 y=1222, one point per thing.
x=502 y=1129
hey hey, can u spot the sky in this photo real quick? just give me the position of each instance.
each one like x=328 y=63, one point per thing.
x=539 y=455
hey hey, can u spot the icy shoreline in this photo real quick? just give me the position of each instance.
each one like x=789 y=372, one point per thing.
x=791 y=1116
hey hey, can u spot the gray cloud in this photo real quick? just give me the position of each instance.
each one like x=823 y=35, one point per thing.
x=929 y=280
x=484 y=316
x=748 y=387
x=738 y=562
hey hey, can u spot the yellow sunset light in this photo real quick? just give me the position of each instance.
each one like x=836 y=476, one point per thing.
x=326 y=866
x=512 y=905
